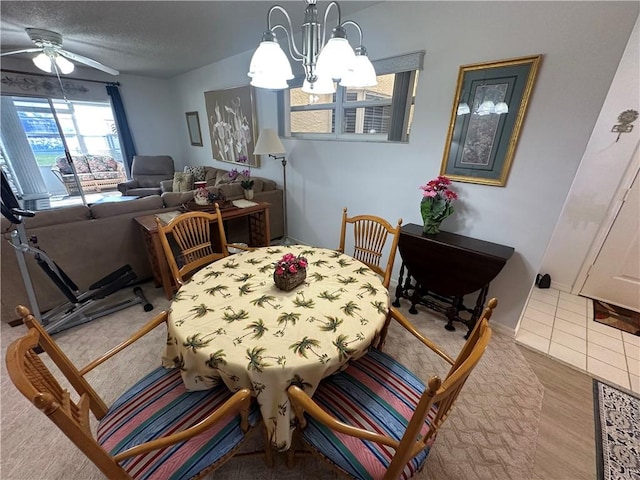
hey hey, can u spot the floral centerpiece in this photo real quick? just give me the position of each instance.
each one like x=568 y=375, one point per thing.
x=290 y=271
x=435 y=205
x=247 y=182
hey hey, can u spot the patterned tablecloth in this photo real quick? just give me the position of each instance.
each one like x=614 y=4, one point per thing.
x=231 y=323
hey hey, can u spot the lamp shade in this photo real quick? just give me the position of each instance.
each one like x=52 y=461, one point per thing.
x=270 y=60
x=268 y=143
x=323 y=85
x=335 y=58
x=360 y=73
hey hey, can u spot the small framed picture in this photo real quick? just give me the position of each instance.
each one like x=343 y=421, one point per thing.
x=193 y=125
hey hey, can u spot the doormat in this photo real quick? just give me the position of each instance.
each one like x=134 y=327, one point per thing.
x=617 y=317
x=617 y=432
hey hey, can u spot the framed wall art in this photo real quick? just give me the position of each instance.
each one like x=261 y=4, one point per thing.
x=488 y=111
x=232 y=125
x=193 y=125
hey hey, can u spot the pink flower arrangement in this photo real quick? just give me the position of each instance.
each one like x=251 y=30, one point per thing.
x=439 y=188
x=290 y=264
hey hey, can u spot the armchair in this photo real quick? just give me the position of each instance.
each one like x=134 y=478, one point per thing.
x=147 y=171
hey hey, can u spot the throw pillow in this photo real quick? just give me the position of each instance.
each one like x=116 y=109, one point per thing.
x=197 y=172
x=182 y=182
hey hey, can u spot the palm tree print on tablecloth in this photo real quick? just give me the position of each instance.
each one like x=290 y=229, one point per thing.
x=216 y=359
x=362 y=270
x=346 y=280
x=331 y=325
x=258 y=329
x=343 y=262
x=212 y=274
x=305 y=344
x=331 y=296
x=198 y=311
x=319 y=263
x=266 y=268
x=181 y=296
x=197 y=341
x=245 y=289
x=256 y=359
x=368 y=288
x=351 y=308
x=178 y=362
x=218 y=289
x=342 y=345
x=268 y=299
x=302 y=302
x=230 y=264
x=381 y=307
x=285 y=318
x=254 y=261
x=242 y=278
x=230 y=315
x=318 y=277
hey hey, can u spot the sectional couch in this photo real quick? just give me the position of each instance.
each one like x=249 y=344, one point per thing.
x=91 y=242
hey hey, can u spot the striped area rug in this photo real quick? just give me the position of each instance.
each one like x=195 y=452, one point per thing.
x=617 y=420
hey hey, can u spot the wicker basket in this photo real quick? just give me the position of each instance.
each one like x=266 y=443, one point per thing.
x=289 y=281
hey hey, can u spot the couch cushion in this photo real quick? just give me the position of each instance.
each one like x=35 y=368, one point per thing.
x=144 y=192
x=268 y=184
x=211 y=176
x=57 y=216
x=101 y=163
x=182 y=182
x=110 y=209
x=198 y=172
x=175 y=199
x=231 y=190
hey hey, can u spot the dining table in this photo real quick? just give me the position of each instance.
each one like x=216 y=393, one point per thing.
x=231 y=324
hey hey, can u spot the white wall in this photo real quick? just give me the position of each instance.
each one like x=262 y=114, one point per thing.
x=595 y=186
x=582 y=43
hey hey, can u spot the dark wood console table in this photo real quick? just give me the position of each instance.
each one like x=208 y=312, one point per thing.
x=445 y=267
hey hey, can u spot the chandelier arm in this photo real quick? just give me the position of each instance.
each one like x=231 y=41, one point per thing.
x=297 y=56
x=292 y=44
x=326 y=15
x=351 y=22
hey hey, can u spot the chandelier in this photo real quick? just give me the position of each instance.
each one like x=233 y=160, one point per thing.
x=323 y=63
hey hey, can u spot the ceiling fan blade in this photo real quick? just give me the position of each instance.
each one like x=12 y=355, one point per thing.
x=88 y=62
x=26 y=50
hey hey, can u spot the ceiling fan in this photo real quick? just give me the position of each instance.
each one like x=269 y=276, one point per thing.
x=52 y=55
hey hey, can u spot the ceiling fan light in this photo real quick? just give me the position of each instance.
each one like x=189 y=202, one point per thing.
x=335 y=58
x=43 y=62
x=64 y=65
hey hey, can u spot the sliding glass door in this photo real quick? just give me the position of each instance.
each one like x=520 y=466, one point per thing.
x=60 y=152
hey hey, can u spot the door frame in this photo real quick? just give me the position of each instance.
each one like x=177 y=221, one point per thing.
x=632 y=170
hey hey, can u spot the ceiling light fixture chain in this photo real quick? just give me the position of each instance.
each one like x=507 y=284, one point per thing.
x=322 y=62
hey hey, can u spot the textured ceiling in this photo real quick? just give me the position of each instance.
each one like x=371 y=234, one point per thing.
x=151 y=38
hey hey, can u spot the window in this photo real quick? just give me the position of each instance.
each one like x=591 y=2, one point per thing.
x=381 y=113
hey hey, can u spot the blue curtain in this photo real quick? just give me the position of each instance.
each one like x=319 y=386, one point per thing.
x=129 y=149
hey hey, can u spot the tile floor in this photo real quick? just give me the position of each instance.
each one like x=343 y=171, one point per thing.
x=561 y=325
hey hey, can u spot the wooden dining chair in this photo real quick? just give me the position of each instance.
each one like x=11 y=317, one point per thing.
x=191 y=234
x=377 y=419
x=370 y=233
x=156 y=429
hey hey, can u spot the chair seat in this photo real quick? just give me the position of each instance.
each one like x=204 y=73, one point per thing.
x=154 y=407
x=375 y=393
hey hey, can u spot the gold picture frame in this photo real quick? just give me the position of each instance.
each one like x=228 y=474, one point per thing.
x=488 y=111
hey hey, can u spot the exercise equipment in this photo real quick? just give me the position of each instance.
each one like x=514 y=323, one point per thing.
x=81 y=307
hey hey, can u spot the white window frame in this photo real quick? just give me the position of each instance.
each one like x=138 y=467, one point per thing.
x=410 y=63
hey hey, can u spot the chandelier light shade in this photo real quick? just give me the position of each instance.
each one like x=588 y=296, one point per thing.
x=322 y=63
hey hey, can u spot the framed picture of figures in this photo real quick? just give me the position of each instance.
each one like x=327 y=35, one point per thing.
x=232 y=125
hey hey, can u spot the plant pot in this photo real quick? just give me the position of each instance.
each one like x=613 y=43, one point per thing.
x=248 y=194
x=289 y=281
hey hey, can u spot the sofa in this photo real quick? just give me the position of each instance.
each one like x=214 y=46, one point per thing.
x=91 y=242
x=95 y=172
x=221 y=183
x=147 y=171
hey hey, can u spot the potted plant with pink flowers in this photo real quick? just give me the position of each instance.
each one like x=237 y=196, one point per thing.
x=435 y=205
x=290 y=271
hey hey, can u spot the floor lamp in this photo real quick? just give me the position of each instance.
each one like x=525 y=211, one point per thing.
x=269 y=144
